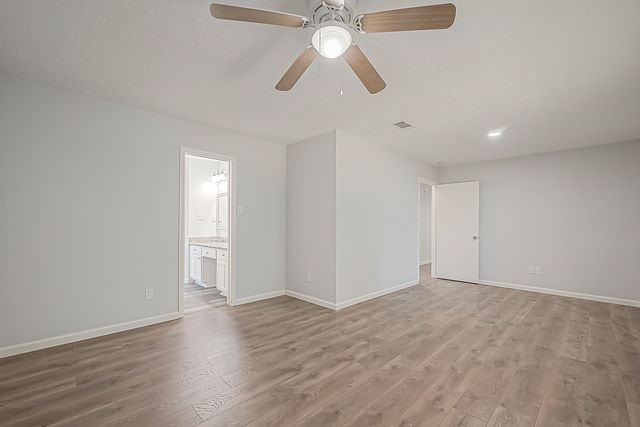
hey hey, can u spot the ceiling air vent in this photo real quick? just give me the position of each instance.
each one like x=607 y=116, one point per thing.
x=403 y=125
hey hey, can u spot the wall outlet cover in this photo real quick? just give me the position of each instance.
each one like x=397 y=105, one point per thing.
x=535 y=270
x=148 y=294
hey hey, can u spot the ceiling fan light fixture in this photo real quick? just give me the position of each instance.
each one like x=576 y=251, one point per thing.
x=331 y=41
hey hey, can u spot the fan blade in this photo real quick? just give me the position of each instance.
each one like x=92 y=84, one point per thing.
x=435 y=17
x=297 y=69
x=236 y=13
x=364 y=70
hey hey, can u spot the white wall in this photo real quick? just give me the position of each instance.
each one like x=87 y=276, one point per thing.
x=425 y=223
x=89 y=199
x=311 y=217
x=352 y=218
x=202 y=197
x=377 y=217
x=574 y=213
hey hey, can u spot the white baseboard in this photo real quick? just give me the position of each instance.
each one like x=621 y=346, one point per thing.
x=12 y=350
x=425 y=263
x=312 y=300
x=352 y=301
x=376 y=294
x=599 y=298
x=254 y=298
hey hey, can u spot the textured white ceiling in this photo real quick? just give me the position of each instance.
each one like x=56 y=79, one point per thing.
x=558 y=74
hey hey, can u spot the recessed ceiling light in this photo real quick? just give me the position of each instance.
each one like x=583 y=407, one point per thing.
x=495 y=133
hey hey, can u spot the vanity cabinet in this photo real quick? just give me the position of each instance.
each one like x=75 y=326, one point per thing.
x=221 y=271
x=195 y=264
x=209 y=271
x=208 y=267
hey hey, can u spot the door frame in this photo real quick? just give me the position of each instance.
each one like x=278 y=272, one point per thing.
x=231 y=262
x=433 y=185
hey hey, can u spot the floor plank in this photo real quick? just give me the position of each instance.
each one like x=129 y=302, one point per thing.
x=513 y=413
x=198 y=297
x=458 y=418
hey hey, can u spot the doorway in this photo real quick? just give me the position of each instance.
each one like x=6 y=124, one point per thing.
x=206 y=231
x=426 y=224
x=458 y=231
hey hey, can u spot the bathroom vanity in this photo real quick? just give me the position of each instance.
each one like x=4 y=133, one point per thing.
x=208 y=263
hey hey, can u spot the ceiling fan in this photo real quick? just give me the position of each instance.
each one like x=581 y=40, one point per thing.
x=334 y=22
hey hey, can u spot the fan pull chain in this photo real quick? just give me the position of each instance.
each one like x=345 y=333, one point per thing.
x=341 y=78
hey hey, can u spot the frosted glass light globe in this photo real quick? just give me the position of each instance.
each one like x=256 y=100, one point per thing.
x=331 y=41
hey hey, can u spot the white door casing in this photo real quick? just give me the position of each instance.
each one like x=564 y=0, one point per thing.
x=183 y=253
x=458 y=231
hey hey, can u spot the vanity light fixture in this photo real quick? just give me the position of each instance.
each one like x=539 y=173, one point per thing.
x=219 y=177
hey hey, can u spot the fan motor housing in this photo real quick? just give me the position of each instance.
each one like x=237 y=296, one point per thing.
x=328 y=10
x=333 y=4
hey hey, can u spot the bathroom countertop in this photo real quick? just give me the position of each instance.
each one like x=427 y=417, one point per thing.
x=209 y=243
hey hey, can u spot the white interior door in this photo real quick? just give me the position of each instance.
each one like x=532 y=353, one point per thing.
x=458 y=231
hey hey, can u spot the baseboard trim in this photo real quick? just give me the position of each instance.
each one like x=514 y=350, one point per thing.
x=425 y=263
x=255 y=298
x=599 y=298
x=27 y=347
x=376 y=294
x=352 y=301
x=312 y=300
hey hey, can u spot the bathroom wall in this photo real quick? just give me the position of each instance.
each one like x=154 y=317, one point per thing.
x=202 y=196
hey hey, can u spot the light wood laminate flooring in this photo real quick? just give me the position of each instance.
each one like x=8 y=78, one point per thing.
x=437 y=354
x=197 y=298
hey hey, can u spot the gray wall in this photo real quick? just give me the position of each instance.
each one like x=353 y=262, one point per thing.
x=352 y=221
x=89 y=207
x=574 y=213
x=311 y=217
x=377 y=217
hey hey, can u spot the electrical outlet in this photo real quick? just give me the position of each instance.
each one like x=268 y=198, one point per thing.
x=535 y=270
x=308 y=277
x=384 y=271
x=148 y=294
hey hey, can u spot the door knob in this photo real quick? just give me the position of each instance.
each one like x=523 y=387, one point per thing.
x=475 y=237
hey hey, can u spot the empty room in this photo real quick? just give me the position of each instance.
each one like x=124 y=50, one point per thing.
x=319 y=213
